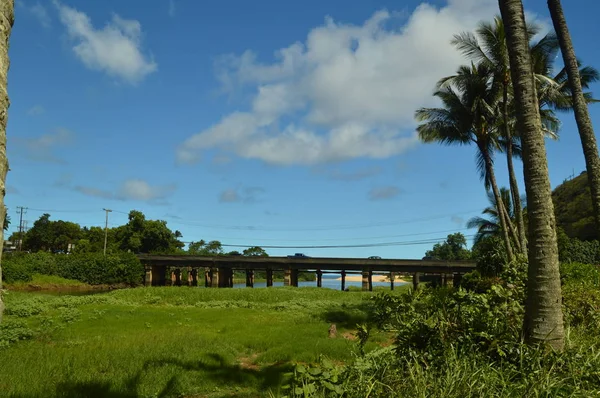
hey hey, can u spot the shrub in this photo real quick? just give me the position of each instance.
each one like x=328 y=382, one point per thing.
x=490 y=256
x=91 y=268
x=97 y=269
x=572 y=250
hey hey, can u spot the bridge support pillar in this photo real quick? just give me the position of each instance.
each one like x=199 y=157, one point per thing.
x=294 y=278
x=287 y=277
x=269 y=277
x=170 y=277
x=416 y=278
x=343 y=280
x=193 y=276
x=367 y=280
x=392 y=277
x=148 y=275
x=319 y=278
x=249 y=278
x=213 y=275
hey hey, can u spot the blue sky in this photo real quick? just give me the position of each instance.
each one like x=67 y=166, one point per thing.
x=254 y=123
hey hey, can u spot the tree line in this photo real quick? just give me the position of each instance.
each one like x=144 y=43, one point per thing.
x=138 y=235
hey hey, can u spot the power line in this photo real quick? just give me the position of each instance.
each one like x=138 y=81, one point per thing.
x=323 y=228
x=382 y=244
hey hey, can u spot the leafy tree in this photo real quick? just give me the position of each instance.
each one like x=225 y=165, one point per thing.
x=202 y=248
x=255 y=251
x=543 y=321
x=147 y=236
x=454 y=248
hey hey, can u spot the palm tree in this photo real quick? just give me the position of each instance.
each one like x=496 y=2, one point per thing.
x=468 y=117
x=7 y=19
x=490 y=226
x=582 y=117
x=488 y=45
x=543 y=321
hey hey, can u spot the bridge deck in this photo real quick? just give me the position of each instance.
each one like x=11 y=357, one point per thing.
x=309 y=263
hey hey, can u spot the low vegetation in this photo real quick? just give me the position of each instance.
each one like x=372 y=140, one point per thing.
x=175 y=341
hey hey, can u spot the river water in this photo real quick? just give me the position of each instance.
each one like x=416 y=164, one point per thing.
x=329 y=281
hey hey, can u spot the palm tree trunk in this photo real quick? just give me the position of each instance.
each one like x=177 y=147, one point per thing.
x=7 y=18
x=580 y=108
x=514 y=187
x=499 y=203
x=543 y=321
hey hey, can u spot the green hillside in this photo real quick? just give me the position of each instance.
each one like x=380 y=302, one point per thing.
x=573 y=208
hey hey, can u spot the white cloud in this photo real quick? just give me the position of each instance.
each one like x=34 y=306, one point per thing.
x=383 y=193
x=347 y=91
x=115 y=49
x=133 y=189
x=36 y=110
x=137 y=189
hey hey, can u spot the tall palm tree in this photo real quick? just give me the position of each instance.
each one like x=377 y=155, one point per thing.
x=582 y=117
x=7 y=19
x=488 y=45
x=543 y=313
x=468 y=116
x=490 y=226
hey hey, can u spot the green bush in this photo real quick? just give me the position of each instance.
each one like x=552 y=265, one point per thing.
x=97 y=269
x=490 y=256
x=91 y=268
x=16 y=271
x=572 y=250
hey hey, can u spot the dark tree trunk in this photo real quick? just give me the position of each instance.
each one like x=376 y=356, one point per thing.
x=504 y=222
x=543 y=321
x=582 y=116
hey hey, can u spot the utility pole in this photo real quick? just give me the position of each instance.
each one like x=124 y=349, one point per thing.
x=21 y=210
x=106 y=229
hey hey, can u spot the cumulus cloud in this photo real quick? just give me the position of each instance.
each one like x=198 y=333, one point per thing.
x=133 y=189
x=43 y=147
x=348 y=91
x=116 y=49
x=383 y=193
x=36 y=110
x=237 y=195
x=137 y=189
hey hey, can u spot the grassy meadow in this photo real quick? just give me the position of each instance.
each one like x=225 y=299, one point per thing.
x=159 y=342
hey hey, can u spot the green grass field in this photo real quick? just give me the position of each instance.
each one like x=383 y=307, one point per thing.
x=159 y=342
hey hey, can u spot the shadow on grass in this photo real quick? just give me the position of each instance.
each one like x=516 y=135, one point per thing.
x=212 y=366
x=350 y=316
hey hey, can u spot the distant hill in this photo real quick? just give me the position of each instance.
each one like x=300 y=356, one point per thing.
x=573 y=208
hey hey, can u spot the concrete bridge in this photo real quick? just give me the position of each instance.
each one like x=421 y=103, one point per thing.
x=217 y=271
